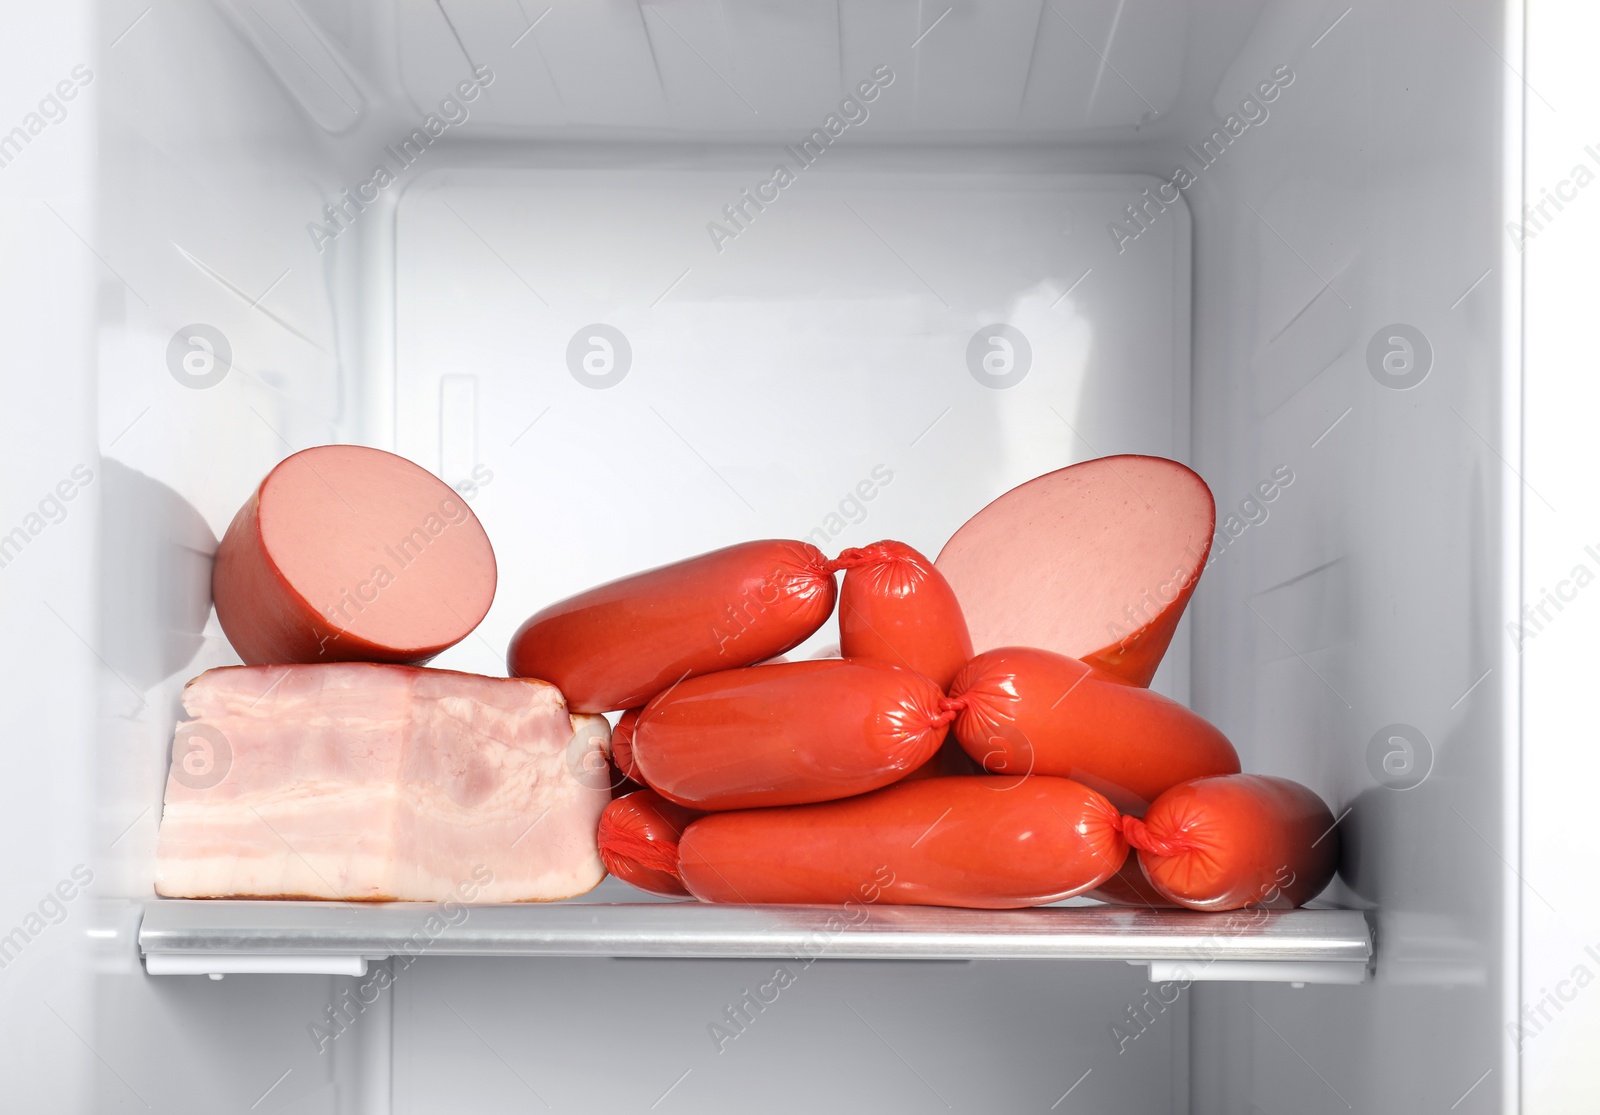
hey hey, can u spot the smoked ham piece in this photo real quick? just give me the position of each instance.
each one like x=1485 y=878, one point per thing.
x=1096 y=561
x=350 y=554
x=374 y=782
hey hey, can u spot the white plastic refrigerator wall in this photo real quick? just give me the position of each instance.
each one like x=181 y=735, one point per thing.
x=545 y=250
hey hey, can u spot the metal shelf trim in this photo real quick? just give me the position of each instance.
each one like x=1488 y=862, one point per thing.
x=686 y=929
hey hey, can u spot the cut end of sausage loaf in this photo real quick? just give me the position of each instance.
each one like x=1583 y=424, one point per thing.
x=1095 y=561
x=347 y=553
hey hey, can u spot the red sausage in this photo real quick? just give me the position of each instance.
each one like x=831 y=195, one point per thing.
x=1236 y=841
x=1129 y=887
x=622 y=743
x=621 y=784
x=1030 y=711
x=1096 y=561
x=616 y=646
x=949 y=760
x=345 y=554
x=787 y=733
x=638 y=838
x=896 y=607
x=980 y=841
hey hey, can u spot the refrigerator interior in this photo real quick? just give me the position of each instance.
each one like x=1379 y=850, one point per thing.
x=588 y=300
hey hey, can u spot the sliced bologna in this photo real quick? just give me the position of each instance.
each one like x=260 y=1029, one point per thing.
x=1027 y=711
x=981 y=842
x=618 y=645
x=346 y=553
x=638 y=840
x=1242 y=840
x=895 y=607
x=788 y=733
x=1096 y=561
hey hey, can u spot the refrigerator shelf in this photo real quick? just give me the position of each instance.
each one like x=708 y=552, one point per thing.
x=219 y=937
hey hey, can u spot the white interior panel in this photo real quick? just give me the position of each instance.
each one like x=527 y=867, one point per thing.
x=974 y=69
x=1374 y=594
x=811 y=379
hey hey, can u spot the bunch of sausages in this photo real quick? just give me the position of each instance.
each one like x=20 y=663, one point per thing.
x=909 y=768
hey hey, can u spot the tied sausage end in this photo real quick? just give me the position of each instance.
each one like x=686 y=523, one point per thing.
x=980 y=707
x=623 y=844
x=851 y=558
x=1113 y=845
x=1138 y=835
x=949 y=709
x=893 y=569
x=639 y=838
